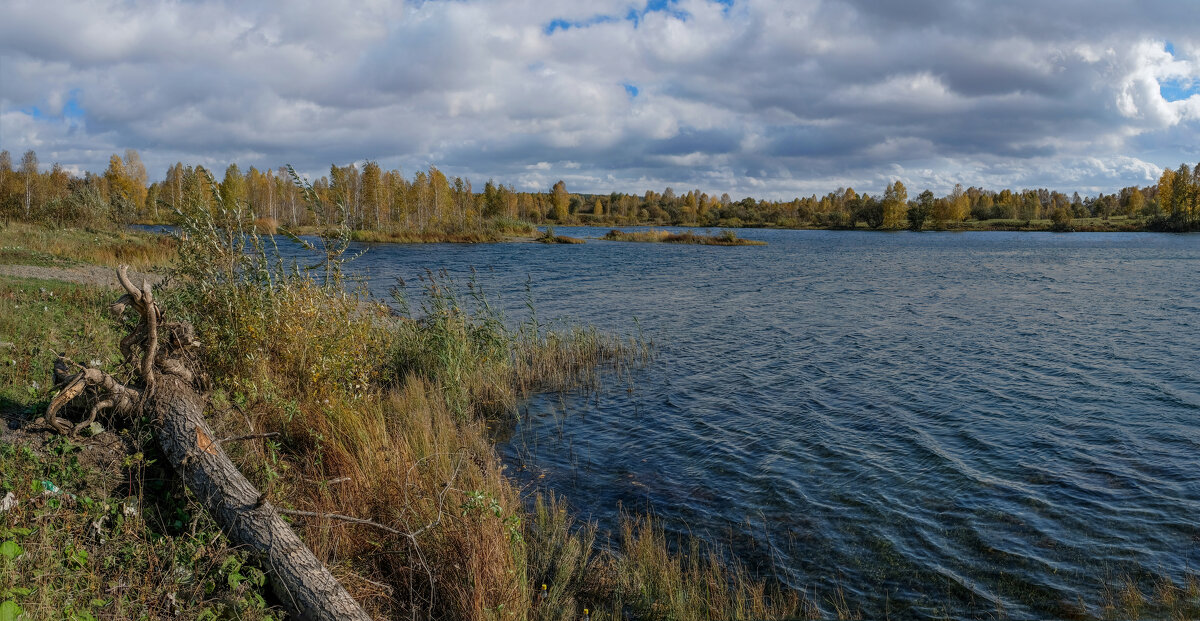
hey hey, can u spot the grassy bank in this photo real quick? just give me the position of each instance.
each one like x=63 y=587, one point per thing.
x=36 y=244
x=724 y=238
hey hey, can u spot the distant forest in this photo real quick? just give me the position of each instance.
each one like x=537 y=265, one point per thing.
x=370 y=198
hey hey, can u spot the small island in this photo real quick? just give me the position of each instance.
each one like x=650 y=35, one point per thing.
x=724 y=238
x=548 y=237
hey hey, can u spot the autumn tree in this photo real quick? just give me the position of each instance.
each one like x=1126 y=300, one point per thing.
x=960 y=204
x=560 y=201
x=983 y=207
x=1135 y=203
x=233 y=187
x=1061 y=218
x=895 y=205
x=491 y=199
x=126 y=180
x=373 y=193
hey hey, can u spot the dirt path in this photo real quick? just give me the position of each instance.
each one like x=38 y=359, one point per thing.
x=82 y=274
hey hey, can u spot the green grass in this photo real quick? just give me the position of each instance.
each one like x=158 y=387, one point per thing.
x=123 y=544
x=121 y=539
x=38 y=320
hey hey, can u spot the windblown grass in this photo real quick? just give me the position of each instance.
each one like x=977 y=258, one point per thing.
x=726 y=237
x=483 y=367
x=643 y=578
x=35 y=244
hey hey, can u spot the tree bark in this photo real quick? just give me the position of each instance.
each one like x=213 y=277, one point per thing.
x=168 y=393
x=302 y=583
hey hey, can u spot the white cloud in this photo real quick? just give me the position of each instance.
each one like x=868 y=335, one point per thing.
x=1140 y=96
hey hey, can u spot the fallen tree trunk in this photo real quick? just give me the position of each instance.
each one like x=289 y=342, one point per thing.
x=170 y=395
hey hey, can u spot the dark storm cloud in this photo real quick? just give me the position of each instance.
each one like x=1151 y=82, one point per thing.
x=766 y=97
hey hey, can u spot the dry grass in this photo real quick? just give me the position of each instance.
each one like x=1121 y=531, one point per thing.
x=1153 y=597
x=266 y=226
x=695 y=585
x=35 y=244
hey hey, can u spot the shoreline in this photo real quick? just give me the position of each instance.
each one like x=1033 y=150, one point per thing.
x=1081 y=225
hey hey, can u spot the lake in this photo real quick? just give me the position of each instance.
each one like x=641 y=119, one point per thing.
x=932 y=424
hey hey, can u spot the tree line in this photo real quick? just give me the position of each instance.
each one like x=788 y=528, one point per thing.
x=371 y=198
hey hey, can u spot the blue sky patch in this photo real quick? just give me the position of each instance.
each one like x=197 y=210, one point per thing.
x=634 y=15
x=657 y=6
x=1178 y=90
x=563 y=24
x=71 y=110
x=631 y=89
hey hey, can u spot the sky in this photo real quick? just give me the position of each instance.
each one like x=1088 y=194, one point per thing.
x=764 y=98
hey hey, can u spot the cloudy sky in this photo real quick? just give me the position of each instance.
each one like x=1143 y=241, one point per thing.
x=770 y=98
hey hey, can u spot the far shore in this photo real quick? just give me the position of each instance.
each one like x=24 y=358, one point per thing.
x=527 y=232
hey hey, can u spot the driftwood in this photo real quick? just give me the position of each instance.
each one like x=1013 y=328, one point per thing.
x=170 y=391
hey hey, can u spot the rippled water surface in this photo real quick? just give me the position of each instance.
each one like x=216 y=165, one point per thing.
x=940 y=421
